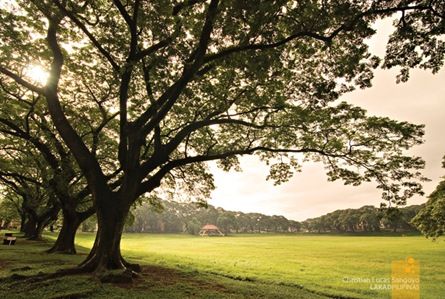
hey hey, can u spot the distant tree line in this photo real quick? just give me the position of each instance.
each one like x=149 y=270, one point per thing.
x=364 y=219
x=178 y=217
x=186 y=217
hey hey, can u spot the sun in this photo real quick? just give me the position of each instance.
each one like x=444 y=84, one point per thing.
x=37 y=74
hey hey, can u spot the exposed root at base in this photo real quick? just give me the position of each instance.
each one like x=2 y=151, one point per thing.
x=125 y=276
x=63 y=251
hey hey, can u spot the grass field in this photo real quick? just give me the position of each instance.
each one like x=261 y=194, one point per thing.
x=256 y=266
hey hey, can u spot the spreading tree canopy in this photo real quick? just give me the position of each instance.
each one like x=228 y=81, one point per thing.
x=195 y=81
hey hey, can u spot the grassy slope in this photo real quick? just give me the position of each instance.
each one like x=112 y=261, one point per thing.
x=276 y=264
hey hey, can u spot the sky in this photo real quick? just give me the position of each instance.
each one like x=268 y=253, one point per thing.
x=308 y=194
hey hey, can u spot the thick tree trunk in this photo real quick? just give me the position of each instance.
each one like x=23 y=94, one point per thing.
x=30 y=227
x=37 y=234
x=22 y=222
x=106 y=254
x=65 y=239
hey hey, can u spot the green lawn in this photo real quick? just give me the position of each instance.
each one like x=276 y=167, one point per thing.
x=316 y=262
x=259 y=266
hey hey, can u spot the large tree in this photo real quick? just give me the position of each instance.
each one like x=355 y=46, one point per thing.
x=195 y=81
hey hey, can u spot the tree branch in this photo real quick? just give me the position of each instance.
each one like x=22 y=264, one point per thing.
x=167 y=100
x=347 y=26
x=87 y=162
x=21 y=81
x=237 y=49
x=152 y=49
x=40 y=146
x=123 y=12
x=188 y=3
x=19 y=176
x=85 y=30
x=155 y=181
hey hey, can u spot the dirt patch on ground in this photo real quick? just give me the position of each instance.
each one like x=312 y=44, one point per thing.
x=156 y=275
x=162 y=275
x=4 y=264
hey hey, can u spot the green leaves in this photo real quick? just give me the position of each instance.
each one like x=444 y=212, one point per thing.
x=418 y=39
x=431 y=218
x=168 y=95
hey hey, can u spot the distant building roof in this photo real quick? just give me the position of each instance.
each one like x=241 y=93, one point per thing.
x=210 y=230
x=209 y=226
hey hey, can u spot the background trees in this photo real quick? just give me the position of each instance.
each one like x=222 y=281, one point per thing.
x=179 y=217
x=364 y=219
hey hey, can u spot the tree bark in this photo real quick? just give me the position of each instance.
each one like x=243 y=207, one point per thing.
x=30 y=227
x=35 y=223
x=37 y=233
x=65 y=239
x=22 y=222
x=106 y=254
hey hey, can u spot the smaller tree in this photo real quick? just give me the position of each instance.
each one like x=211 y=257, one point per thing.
x=226 y=222
x=369 y=219
x=9 y=210
x=431 y=219
x=392 y=218
x=193 y=226
x=23 y=173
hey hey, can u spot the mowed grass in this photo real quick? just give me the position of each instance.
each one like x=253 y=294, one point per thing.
x=24 y=265
x=322 y=263
x=238 y=266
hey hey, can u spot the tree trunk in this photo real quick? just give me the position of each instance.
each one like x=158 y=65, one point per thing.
x=106 y=254
x=22 y=222
x=65 y=239
x=37 y=234
x=30 y=227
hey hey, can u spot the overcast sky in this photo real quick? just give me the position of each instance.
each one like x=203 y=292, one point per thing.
x=308 y=194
